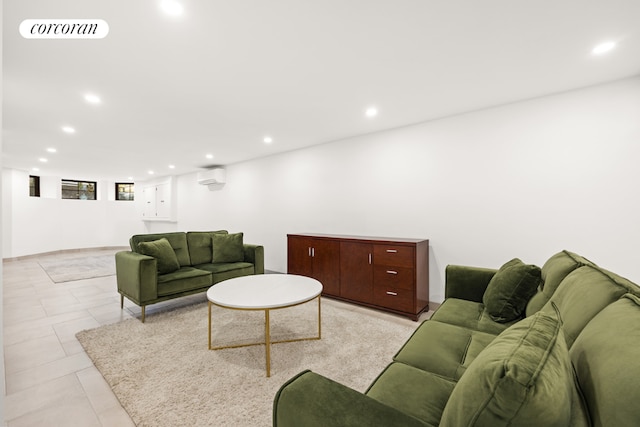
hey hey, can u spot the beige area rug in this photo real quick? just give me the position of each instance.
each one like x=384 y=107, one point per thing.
x=68 y=270
x=164 y=374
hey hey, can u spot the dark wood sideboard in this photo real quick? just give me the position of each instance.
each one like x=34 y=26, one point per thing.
x=384 y=273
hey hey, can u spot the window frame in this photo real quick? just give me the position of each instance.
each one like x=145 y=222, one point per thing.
x=35 y=187
x=79 y=190
x=132 y=192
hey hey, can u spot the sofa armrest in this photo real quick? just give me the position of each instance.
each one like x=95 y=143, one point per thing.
x=467 y=283
x=255 y=255
x=312 y=400
x=137 y=276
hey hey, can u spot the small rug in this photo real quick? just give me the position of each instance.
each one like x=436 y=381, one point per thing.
x=88 y=267
x=164 y=374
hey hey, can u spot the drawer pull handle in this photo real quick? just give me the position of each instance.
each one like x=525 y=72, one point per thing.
x=395 y=294
x=392 y=251
x=391 y=272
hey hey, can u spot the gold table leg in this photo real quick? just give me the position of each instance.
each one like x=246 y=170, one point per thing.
x=209 y=325
x=267 y=341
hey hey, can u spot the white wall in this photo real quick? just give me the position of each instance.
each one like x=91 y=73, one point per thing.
x=34 y=225
x=526 y=179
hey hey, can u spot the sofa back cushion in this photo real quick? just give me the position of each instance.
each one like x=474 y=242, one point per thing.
x=606 y=357
x=523 y=378
x=161 y=250
x=199 y=243
x=510 y=289
x=582 y=295
x=227 y=248
x=177 y=240
x=553 y=273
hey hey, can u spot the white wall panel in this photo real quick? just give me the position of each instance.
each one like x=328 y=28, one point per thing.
x=526 y=179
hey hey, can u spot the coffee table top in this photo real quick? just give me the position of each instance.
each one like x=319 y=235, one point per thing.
x=263 y=291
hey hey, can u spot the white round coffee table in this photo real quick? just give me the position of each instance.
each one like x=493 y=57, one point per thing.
x=264 y=292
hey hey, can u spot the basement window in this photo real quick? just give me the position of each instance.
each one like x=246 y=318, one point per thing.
x=124 y=191
x=78 y=190
x=34 y=186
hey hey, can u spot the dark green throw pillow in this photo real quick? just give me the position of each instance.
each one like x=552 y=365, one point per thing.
x=227 y=247
x=510 y=289
x=523 y=378
x=164 y=254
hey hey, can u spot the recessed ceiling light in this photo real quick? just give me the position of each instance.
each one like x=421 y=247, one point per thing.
x=130 y=178
x=35 y=169
x=51 y=150
x=43 y=160
x=603 y=48
x=172 y=166
x=209 y=156
x=268 y=140
x=171 y=7
x=91 y=98
x=68 y=129
x=371 y=112
x=151 y=172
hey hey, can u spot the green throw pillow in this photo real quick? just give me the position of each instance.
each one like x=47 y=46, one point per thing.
x=227 y=247
x=164 y=254
x=510 y=289
x=523 y=378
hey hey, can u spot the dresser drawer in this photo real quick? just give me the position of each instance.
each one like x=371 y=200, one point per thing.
x=399 y=256
x=393 y=277
x=393 y=298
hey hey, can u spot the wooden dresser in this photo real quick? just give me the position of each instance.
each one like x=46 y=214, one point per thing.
x=384 y=273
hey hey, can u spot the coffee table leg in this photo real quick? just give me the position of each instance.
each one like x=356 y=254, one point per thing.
x=267 y=341
x=319 y=320
x=209 y=325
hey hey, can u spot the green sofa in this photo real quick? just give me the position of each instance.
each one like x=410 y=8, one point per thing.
x=164 y=266
x=570 y=357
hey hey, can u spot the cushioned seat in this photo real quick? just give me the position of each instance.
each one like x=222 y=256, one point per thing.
x=227 y=270
x=184 y=279
x=468 y=314
x=415 y=392
x=443 y=349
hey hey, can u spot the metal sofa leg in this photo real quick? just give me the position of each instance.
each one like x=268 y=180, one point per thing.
x=121 y=301
x=143 y=307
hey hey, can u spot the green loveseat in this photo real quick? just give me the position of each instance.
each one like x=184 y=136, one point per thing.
x=573 y=360
x=164 y=266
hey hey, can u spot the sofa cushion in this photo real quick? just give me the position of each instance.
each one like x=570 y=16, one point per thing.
x=183 y=280
x=510 y=289
x=553 y=273
x=415 y=392
x=227 y=248
x=443 y=349
x=199 y=243
x=162 y=251
x=582 y=295
x=178 y=241
x=606 y=356
x=469 y=314
x=523 y=378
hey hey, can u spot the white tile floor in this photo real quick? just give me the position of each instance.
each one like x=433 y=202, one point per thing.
x=49 y=378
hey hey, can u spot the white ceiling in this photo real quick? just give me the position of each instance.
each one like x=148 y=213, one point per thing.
x=227 y=73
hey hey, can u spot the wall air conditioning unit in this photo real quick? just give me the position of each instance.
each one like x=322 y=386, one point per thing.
x=215 y=177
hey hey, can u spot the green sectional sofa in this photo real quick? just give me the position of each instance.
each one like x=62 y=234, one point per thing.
x=164 y=266
x=570 y=357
